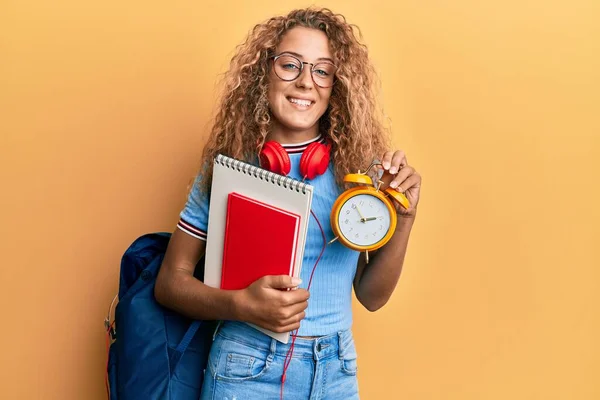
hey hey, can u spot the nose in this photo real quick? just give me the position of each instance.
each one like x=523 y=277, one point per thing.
x=305 y=79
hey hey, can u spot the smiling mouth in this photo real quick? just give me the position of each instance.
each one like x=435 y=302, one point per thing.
x=304 y=104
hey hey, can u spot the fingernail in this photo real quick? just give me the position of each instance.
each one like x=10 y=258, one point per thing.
x=393 y=170
x=386 y=165
x=296 y=281
x=393 y=184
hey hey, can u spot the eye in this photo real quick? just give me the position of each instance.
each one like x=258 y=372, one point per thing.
x=323 y=70
x=289 y=66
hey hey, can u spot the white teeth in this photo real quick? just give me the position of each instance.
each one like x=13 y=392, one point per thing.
x=304 y=103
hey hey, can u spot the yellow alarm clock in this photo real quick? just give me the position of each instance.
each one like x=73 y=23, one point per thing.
x=363 y=217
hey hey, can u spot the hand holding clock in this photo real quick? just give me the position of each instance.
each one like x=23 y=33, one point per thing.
x=402 y=177
x=394 y=191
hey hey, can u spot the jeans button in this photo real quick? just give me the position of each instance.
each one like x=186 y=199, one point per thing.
x=319 y=347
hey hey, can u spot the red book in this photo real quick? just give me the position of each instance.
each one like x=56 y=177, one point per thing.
x=260 y=240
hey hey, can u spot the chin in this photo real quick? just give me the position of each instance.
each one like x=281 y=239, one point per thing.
x=300 y=121
x=298 y=125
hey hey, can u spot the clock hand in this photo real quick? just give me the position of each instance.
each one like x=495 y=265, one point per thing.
x=370 y=219
x=362 y=219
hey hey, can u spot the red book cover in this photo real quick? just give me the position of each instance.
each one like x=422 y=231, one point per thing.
x=260 y=240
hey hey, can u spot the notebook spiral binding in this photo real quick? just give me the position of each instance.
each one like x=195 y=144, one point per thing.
x=260 y=173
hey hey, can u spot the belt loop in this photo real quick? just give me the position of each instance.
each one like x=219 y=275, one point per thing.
x=272 y=350
x=341 y=349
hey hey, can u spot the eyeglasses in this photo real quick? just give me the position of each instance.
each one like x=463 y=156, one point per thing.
x=289 y=68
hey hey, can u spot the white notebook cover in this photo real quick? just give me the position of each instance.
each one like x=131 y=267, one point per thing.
x=231 y=175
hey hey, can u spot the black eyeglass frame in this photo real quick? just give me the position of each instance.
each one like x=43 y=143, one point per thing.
x=302 y=63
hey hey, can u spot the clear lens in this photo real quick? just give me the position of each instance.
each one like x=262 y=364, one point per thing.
x=289 y=68
x=323 y=74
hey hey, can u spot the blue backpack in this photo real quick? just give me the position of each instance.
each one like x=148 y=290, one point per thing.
x=155 y=353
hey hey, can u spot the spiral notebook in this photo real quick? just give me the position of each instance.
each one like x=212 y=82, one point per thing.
x=285 y=193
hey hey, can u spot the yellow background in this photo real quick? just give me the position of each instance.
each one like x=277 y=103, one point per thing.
x=104 y=108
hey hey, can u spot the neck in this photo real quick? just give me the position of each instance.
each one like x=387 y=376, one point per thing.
x=282 y=134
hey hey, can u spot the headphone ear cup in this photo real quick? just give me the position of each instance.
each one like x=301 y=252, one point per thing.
x=274 y=158
x=314 y=160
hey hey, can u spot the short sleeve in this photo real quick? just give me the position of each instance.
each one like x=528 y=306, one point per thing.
x=193 y=219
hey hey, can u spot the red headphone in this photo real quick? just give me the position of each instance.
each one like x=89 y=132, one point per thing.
x=314 y=160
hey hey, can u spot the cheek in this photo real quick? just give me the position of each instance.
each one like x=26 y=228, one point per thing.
x=276 y=87
x=325 y=97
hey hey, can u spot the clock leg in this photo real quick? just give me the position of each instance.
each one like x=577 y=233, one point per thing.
x=367 y=256
x=333 y=240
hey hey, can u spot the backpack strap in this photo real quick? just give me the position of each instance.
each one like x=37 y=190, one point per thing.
x=183 y=345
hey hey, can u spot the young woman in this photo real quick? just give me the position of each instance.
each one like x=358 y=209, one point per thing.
x=297 y=79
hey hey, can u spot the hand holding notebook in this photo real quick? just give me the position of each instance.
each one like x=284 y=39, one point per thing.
x=273 y=302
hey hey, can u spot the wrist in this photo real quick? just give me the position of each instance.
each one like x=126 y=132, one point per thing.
x=238 y=305
x=407 y=217
x=405 y=221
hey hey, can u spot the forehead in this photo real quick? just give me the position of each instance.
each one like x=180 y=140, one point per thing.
x=312 y=44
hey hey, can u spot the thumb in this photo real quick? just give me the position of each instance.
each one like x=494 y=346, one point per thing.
x=281 y=281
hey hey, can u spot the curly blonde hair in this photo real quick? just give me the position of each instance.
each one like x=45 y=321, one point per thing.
x=353 y=121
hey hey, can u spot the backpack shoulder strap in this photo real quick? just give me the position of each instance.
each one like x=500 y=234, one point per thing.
x=176 y=355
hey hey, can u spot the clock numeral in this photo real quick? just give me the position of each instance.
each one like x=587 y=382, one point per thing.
x=371 y=204
x=374 y=233
x=380 y=227
x=356 y=235
x=353 y=205
x=351 y=229
x=347 y=211
x=347 y=221
x=362 y=203
x=380 y=218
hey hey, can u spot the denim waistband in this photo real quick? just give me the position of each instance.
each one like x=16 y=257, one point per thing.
x=336 y=344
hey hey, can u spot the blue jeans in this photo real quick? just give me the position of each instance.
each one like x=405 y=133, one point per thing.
x=246 y=364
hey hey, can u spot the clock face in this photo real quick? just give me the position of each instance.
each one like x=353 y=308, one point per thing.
x=364 y=220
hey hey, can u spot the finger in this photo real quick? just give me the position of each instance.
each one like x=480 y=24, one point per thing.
x=294 y=297
x=401 y=176
x=386 y=160
x=280 y=281
x=413 y=181
x=398 y=161
x=294 y=319
x=296 y=308
x=283 y=313
x=287 y=328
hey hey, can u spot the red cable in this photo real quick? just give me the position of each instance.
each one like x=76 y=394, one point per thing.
x=288 y=357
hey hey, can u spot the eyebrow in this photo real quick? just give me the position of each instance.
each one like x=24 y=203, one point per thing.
x=301 y=56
